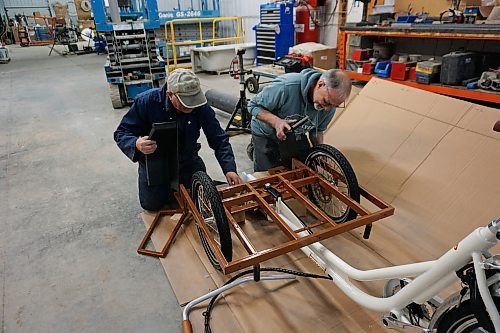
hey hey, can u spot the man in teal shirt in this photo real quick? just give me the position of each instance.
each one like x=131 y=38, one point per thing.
x=289 y=98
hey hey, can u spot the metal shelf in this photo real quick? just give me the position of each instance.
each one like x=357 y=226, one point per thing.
x=467 y=32
x=475 y=94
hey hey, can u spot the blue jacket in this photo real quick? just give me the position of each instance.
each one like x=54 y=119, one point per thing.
x=153 y=106
x=287 y=97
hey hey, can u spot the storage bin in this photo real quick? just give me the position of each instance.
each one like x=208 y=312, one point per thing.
x=457 y=67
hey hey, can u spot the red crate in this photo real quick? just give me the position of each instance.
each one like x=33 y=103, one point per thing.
x=361 y=54
x=368 y=68
x=401 y=70
x=413 y=74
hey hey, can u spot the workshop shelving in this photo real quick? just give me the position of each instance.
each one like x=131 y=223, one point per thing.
x=440 y=33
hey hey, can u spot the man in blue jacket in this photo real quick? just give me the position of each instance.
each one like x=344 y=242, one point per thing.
x=183 y=101
x=289 y=98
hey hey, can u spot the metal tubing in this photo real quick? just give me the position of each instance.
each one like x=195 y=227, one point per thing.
x=187 y=308
x=485 y=292
x=431 y=271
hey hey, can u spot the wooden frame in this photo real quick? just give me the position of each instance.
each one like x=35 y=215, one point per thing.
x=253 y=195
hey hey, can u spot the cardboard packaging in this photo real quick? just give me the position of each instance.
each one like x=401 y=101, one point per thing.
x=324 y=57
x=83 y=10
x=62 y=13
x=433 y=157
x=86 y=24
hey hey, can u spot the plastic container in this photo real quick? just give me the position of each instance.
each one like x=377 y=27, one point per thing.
x=457 y=67
x=383 y=68
x=406 y=19
x=428 y=67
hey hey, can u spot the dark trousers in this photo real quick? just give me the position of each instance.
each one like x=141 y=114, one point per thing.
x=156 y=197
x=269 y=153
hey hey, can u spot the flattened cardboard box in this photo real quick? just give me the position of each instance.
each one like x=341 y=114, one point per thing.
x=434 y=158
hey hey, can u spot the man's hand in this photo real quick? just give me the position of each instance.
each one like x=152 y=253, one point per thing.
x=145 y=146
x=281 y=126
x=233 y=178
x=276 y=122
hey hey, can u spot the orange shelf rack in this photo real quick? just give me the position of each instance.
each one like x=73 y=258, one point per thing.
x=469 y=32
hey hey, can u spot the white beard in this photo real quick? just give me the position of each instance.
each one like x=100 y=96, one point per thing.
x=317 y=107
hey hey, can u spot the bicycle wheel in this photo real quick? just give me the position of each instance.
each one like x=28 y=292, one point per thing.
x=250 y=149
x=209 y=205
x=329 y=163
x=456 y=315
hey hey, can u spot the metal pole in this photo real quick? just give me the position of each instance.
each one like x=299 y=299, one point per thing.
x=114 y=11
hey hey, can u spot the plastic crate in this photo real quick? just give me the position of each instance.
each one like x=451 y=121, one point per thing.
x=383 y=68
x=406 y=19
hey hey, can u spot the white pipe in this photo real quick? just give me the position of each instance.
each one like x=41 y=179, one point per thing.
x=187 y=308
x=485 y=292
x=332 y=260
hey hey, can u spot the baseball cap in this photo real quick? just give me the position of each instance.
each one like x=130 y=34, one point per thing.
x=186 y=86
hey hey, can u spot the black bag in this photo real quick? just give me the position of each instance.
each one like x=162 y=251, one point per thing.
x=457 y=67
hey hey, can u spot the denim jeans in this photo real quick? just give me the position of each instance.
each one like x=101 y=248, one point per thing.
x=269 y=153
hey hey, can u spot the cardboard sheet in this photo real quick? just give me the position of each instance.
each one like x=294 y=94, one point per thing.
x=433 y=157
x=297 y=305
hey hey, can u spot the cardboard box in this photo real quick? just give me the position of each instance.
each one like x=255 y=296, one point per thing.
x=324 y=57
x=433 y=157
x=86 y=24
x=81 y=10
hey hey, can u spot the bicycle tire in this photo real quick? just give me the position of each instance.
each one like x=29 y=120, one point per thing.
x=350 y=187
x=203 y=188
x=250 y=150
x=456 y=315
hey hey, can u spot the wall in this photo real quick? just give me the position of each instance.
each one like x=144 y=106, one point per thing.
x=330 y=25
x=247 y=9
x=433 y=7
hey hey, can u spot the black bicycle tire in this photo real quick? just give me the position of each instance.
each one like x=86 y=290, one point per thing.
x=198 y=179
x=250 y=150
x=449 y=315
x=350 y=176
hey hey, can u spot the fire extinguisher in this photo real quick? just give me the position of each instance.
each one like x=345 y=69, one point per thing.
x=307 y=22
x=234 y=68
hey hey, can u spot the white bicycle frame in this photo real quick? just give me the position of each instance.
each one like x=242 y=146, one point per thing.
x=431 y=277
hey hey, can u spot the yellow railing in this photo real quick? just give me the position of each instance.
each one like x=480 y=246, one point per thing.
x=172 y=44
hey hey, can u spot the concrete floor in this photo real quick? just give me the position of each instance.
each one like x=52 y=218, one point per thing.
x=69 y=211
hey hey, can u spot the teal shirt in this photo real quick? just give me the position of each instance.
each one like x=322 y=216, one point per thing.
x=287 y=97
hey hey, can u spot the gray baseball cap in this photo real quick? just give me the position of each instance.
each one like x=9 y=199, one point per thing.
x=186 y=86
